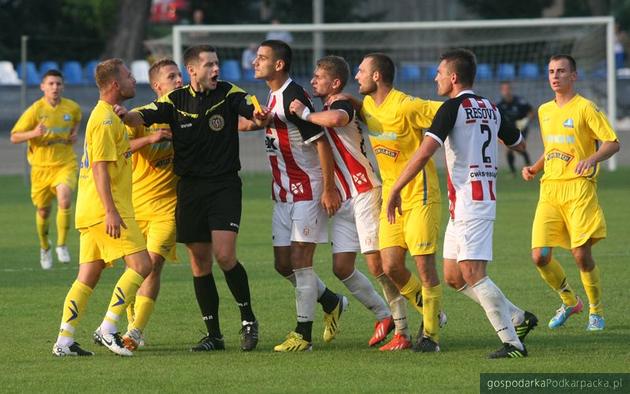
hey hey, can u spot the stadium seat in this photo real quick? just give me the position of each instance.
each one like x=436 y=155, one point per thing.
x=8 y=75
x=409 y=72
x=48 y=65
x=73 y=73
x=528 y=71
x=248 y=74
x=185 y=76
x=88 y=71
x=32 y=76
x=484 y=71
x=230 y=70
x=506 y=71
x=140 y=71
x=429 y=73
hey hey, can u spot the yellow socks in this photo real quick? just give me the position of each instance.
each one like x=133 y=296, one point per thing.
x=73 y=308
x=143 y=310
x=124 y=293
x=593 y=288
x=42 y=231
x=63 y=224
x=554 y=275
x=413 y=292
x=432 y=304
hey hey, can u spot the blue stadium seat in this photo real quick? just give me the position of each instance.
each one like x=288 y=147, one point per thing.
x=230 y=70
x=32 y=76
x=506 y=71
x=185 y=76
x=528 y=71
x=73 y=73
x=409 y=72
x=429 y=73
x=48 y=65
x=248 y=74
x=484 y=71
x=88 y=71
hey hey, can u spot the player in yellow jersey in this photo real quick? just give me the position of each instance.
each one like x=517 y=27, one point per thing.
x=395 y=122
x=50 y=126
x=154 y=199
x=105 y=217
x=568 y=214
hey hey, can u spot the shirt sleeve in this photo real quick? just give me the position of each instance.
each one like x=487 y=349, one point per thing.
x=508 y=133
x=419 y=112
x=103 y=142
x=444 y=121
x=344 y=105
x=598 y=123
x=159 y=111
x=309 y=131
x=26 y=122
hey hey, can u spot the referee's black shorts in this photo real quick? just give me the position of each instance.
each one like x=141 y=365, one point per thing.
x=205 y=205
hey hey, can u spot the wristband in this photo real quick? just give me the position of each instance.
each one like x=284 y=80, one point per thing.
x=305 y=114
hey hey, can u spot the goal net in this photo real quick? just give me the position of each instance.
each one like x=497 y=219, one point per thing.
x=507 y=50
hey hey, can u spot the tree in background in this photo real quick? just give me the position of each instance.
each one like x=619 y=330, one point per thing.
x=126 y=40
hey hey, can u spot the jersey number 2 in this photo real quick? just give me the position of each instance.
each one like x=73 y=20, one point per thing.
x=485 y=128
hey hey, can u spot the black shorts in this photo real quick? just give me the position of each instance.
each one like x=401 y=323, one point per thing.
x=205 y=205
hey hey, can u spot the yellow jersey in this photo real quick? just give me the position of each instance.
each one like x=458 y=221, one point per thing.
x=105 y=140
x=396 y=130
x=571 y=133
x=154 y=182
x=53 y=148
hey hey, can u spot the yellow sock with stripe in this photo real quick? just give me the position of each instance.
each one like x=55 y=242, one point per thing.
x=432 y=304
x=413 y=292
x=73 y=308
x=42 y=230
x=593 y=288
x=124 y=293
x=63 y=224
x=554 y=275
x=131 y=314
x=144 y=309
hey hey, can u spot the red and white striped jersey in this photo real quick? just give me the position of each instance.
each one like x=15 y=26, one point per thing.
x=354 y=173
x=469 y=126
x=295 y=167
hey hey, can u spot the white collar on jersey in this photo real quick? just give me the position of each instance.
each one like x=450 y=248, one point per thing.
x=467 y=91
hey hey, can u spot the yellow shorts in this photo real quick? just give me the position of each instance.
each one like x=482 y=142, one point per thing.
x=568 y=214
x=45 y=179
x=95 y=244
x=416 y=230
x=160 y=236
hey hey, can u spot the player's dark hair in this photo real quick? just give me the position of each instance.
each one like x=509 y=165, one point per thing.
x=568 y=58
x=384 y=65
x=337 y=67
x=281 y=51
x=463 y=63
x=191 y=54
x=155 y=68
x=52 y=73
x=106 y=71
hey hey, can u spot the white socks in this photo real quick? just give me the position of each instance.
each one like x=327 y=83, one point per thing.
x=306 y=289
x=397 y=304
x=518 y=315
x=495 y=304
x=361 y=287
x=321 y=286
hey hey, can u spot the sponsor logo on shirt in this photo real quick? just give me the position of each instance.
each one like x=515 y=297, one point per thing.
x=297 y=188
x=383 y=150
x=67 y=117
x=560 y=139
x=185 y=125
x=556 y=154
x=568 y=123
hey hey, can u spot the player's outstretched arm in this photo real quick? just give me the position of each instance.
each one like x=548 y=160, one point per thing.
x=417 y=163
x=161 y=134
x=604 y=152
x=332 y=118
x=529 y=172
x=113 y=221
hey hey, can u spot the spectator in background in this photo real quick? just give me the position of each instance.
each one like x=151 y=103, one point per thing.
x=622 y=40
x=280 y=35
x=519 y=111
x=198 y=17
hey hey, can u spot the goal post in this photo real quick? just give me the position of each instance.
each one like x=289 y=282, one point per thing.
x=507 y=49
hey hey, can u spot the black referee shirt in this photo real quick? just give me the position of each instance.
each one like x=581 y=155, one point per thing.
x=204 y=127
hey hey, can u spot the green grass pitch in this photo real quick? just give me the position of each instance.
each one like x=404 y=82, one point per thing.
x=31 y=306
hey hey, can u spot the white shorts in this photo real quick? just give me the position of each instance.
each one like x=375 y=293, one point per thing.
x=355 y=224
x=468 y=240
x=303 y=221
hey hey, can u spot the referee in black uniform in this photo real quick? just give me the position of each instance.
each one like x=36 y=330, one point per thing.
x=203 y=117
x=520 y=112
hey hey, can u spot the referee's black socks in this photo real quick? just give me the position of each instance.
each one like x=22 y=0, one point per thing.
x=208 y=300
x=238 y=283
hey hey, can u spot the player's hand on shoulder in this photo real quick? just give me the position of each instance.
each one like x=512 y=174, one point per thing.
x=339 y=96
x=297 y=107
x=120 y=110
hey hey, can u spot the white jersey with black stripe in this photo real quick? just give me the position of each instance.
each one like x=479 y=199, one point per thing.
x=469 y=126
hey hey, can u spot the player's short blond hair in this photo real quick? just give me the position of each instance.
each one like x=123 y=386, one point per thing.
x=107 y=71
x=337 y=67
